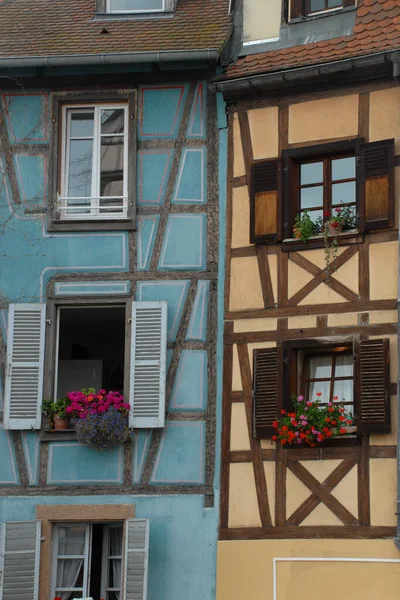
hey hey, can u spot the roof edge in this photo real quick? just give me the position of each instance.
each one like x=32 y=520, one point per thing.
x=65 y=60
x=260 y=81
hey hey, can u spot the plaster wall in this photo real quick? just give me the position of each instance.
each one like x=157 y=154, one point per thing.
x=262 y=20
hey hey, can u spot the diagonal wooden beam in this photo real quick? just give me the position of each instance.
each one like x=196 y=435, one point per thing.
x=265 y=275
x=322 y=494
x=255 y=445
x=329 y=484
x=321 y=275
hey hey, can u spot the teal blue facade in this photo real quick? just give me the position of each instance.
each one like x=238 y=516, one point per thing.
x=175 y=254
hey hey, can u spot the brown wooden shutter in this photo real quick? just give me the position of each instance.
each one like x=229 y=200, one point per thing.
x=377 y=185
x=297 y=9
x=264 y=201
x=265 y=391
x=347 y=3
x=373 y=386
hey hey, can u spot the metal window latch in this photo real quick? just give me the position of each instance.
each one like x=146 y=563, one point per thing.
x=48 y=321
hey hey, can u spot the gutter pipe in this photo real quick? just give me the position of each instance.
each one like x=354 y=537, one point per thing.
x=66 y=60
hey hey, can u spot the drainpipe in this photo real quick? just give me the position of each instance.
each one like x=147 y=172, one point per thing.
x=396 y=76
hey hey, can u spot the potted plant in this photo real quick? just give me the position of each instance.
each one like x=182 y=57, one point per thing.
x=310 y=424
x=304 y=227
x=102 y=417
x=342 y=219
x=56 y=411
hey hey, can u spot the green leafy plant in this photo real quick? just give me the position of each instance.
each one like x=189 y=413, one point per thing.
x=58 y=407
x=304 y=227
x=310 y=424
x=343 y=218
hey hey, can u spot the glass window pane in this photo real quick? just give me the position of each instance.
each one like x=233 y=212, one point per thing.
x=80 y=168
x=127 y=5
x=344 y=391
x=81 y=123
x=311 y=197
x=319 y=386
x=112 y=166
x=71 y=540
x=69 y=595
x=344 y=365
x=321 y=366
x=315 y=215
x=317 y=5
x=113 y=595
x=115 y=541
x=343 y=192
x=343 y=168
x=311 y=173
x=334 y=3
x=114 y=573
x=70 y=573
x=112 y=120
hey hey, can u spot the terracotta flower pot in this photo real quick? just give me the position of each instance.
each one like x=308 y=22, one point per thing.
x=296 y=233
x=61 y=422
x=334 y=229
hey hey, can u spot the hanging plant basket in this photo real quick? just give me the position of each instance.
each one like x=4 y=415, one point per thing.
x=103 y=430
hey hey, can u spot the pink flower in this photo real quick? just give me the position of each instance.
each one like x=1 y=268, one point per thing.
x=300 y=399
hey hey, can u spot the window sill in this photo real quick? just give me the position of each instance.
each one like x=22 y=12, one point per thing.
x=352 y=236
x=59 y=435
x=114 y=225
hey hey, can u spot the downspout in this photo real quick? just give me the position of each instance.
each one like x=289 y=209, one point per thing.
x=396 y=76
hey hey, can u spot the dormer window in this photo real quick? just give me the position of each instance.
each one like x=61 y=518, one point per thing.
x=302 y=9
x=135 y=6
x=316 y=6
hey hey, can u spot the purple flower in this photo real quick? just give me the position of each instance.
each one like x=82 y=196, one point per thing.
x=302 y=417
x=300 y=399
x=303 y=423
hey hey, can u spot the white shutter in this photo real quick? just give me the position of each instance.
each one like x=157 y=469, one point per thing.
x=148 y=364
x=136 y=559
x=24 y=371
x=20 y=560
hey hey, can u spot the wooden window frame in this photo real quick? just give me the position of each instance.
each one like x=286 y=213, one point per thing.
x=60 y=102
x=300 y=9
x=327 y=9
x=343 y=349
x=294 y=157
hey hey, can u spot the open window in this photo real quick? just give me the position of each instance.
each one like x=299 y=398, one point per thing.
x=355 y=374
x=94 y=153
x=116 y=345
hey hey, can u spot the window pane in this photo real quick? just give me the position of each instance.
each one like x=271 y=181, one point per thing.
x=343 y=168
x=113 y=596
x=344 y=366
x=344 y=391
x=334 y=3
x=112 y=120
x=320 y=367
x=315 y=215
x=69 y=595
x=343 y=192
x=80 y=168
x=319 y=386
x=311 y=173
x=81 y=123
x=70 y=573
x=121 y=5
x=317 y=5
x=311 y=197
x=114 y=573
x=115 y=541
x=112 y=166
x=71 y=540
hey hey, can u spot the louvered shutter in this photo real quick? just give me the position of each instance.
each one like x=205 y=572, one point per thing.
x=296 y=9
x=24 y=371
x=373 y=386
x=20 y=558
x=376 y=185
x=148 y=364
x=264 y=201
x=136 y=559
x=265 y=391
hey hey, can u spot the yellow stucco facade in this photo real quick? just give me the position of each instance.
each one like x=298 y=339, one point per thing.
x=267 y=550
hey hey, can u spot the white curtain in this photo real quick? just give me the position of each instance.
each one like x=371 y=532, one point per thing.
x=320 y=367
x=116 y=563
x=344 y=389
x=71 y=541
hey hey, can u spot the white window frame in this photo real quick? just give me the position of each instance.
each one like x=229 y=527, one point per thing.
x=140 y=10
x=86 y=558
x=106 y=558
x=94 y=206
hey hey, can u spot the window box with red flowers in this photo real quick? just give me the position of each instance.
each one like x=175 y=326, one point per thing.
x=312 y=423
